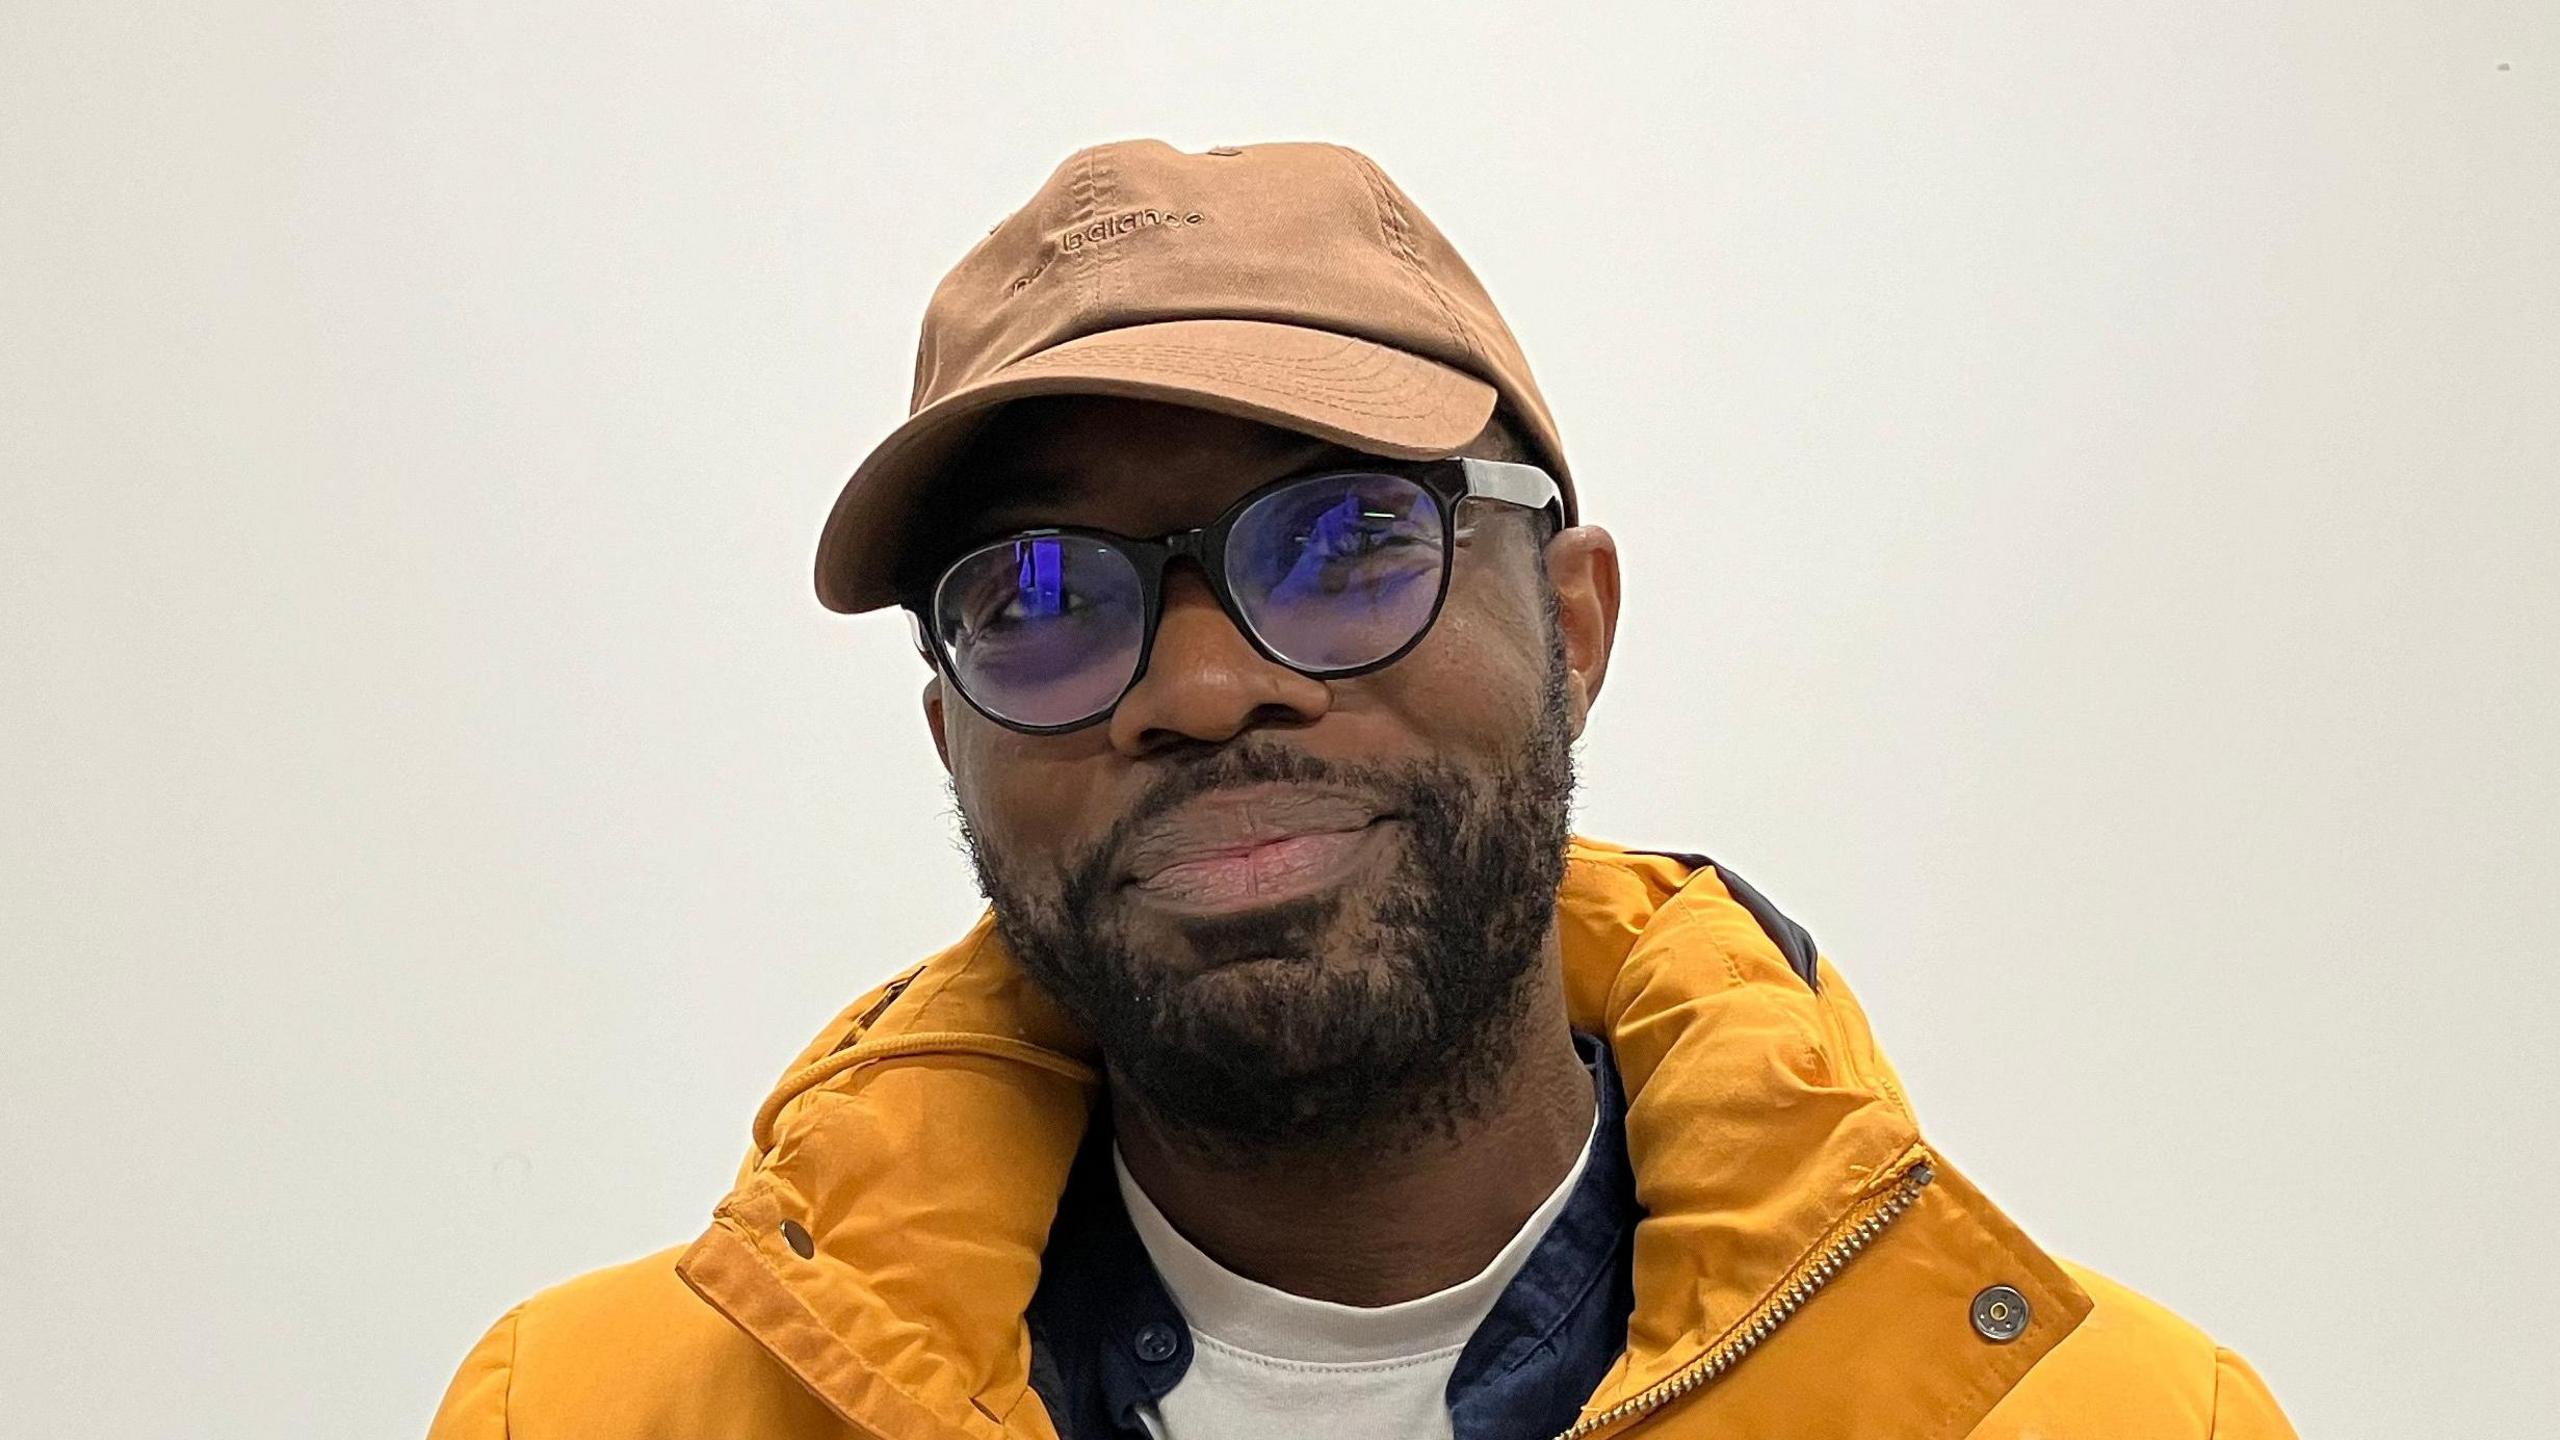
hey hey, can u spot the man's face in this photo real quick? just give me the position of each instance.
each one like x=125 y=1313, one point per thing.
x=1289 y=910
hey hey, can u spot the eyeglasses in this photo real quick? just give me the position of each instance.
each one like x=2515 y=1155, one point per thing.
x=1333 y=574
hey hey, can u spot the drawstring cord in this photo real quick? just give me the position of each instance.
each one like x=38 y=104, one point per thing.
x=929 y=1042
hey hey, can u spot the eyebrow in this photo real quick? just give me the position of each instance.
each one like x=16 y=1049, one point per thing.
x=1022 y=500
x=1019 y=494
x=1012 y=491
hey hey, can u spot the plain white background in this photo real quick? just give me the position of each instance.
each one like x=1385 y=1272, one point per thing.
x=2086 y=476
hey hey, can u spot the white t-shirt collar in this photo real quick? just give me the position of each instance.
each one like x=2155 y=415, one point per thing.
x=1248 y=1315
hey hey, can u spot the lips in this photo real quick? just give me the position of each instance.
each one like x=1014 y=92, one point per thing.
x=1242 y=849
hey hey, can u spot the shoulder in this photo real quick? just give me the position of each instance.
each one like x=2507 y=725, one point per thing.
x=623 y=1353
x=2134 y=1370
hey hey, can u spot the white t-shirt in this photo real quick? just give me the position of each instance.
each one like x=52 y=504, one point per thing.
x=1269 y=1365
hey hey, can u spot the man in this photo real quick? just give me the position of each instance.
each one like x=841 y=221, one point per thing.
x=1306 y=1077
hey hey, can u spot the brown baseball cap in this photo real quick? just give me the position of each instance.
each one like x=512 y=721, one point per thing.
x=1289 y=283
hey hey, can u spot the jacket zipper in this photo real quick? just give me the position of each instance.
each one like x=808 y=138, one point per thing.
x=1854 y=1234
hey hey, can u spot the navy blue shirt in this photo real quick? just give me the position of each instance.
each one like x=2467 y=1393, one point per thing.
x=1107 y=1338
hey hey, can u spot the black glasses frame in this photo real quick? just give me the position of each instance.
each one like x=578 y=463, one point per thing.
x=1448 y=482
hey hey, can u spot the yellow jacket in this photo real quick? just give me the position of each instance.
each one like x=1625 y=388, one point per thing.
x=1808 y=1266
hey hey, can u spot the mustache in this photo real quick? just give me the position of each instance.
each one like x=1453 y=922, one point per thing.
x=1232 y=767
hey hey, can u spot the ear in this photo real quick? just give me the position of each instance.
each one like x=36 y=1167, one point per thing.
x=1582 y=564
x=933 y=720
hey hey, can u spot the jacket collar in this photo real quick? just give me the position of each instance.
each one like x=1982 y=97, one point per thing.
x=1108 y=1337
x=884 y=1240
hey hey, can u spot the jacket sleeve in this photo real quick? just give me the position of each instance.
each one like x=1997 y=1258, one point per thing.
x=475 y=1404
x=2243 y=1408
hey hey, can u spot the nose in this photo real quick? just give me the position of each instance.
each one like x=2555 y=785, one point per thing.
x=1205 y=683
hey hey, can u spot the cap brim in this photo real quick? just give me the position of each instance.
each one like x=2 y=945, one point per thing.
x=1338 y=387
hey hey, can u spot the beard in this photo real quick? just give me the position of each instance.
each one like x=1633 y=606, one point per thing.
x=1364 y=1017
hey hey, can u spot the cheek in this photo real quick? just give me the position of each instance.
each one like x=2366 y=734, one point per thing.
x=1027 y=796
x=1477 y=679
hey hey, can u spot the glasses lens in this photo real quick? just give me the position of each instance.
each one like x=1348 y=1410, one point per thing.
x=1043 y=631
x=1338 y=571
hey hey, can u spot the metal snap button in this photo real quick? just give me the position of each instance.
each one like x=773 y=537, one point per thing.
x=796 y=1235
x=2000 y=1314
x=1155 y=1342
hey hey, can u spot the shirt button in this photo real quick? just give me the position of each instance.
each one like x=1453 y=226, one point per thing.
x=2000 y=1314
x=796 y=1235
x=1155 y=1342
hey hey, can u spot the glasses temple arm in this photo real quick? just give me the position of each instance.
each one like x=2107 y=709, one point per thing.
x=1514 y=483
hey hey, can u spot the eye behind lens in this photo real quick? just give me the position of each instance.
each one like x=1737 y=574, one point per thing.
x=1044 y=631
x=1339 y=571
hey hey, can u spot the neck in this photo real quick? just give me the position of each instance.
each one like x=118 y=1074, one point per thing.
x=1374 y=1225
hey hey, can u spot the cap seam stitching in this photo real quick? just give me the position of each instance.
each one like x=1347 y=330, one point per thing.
x=1393 y=224
x=1106 y=197
x=1340 y=398
x=1088 y=278
x=1314 y=369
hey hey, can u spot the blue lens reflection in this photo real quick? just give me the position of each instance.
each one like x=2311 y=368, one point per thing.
x=1042 y=631
x=1339 y=571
